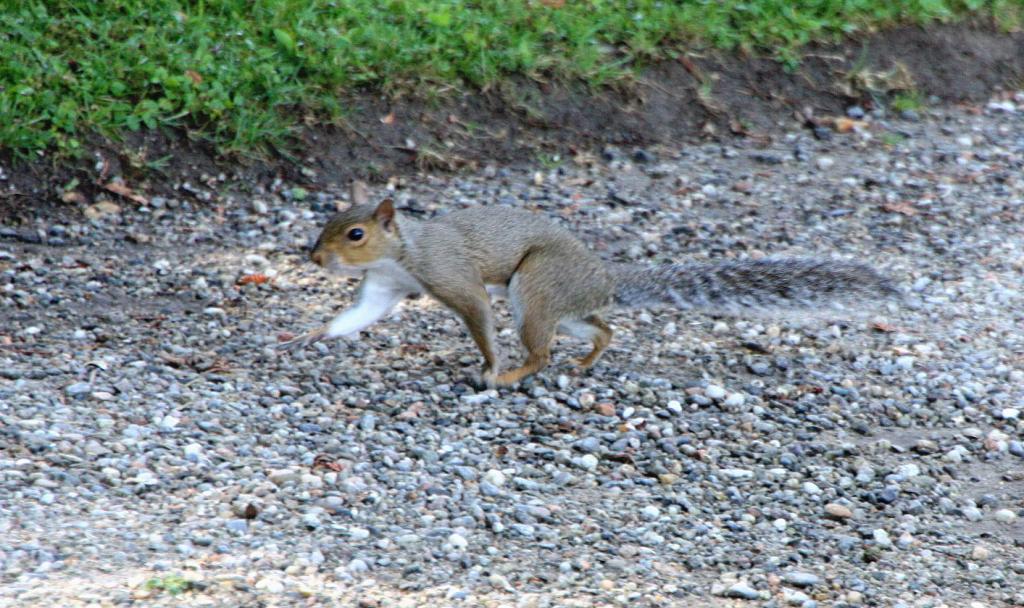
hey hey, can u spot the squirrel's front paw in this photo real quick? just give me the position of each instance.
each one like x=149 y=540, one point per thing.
x=302 y=341
x=489 y=378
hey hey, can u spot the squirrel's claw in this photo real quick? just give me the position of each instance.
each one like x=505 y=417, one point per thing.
x=302 y=341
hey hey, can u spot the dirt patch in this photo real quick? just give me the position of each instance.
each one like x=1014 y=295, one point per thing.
x=672 y=102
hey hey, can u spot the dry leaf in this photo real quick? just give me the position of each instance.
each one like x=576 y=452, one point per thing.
x=845 y=125
x=258 y=279
x=194 y=76
x=884 y=327
x=323 y=461
x=73 y=196
x=904 y=208
x=123 y=190
x=413 y=411
x=389 y=119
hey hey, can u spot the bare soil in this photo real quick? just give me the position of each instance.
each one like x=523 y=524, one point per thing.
x=699 y=96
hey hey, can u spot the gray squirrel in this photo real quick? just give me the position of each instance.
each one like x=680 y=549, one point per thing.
x=554 y=283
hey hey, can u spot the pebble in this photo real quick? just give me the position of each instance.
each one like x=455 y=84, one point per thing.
x=801 y=579
x=587 y=462
x=838 y=511
x=1005 y=516
x=713 y=391
x=156 y=411
x=972 y=514
x=495 y=478
x=738 y=473
x=743 y=591
x=193 y=452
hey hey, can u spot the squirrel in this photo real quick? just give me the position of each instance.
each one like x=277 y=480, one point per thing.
x=553 y=282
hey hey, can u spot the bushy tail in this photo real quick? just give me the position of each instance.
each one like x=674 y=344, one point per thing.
x=739 y=287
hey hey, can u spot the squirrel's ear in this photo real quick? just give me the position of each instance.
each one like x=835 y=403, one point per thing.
x=385 y=213
x=358 y=190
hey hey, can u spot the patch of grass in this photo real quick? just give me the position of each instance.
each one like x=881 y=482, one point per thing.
x=908 y=100
x=892 y=140
x=172 y=584
x=244 y=74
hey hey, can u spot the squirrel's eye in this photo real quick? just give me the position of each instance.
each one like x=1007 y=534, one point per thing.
x=355 y=234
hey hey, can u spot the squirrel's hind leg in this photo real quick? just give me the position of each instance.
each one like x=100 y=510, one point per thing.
x=536 y=337
x=591 y=328
x=530 y=303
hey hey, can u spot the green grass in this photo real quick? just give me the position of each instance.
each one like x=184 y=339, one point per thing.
x=910 y=100
x=245 y=74
x=172 y=584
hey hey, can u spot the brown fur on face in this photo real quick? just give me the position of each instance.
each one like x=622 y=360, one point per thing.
x=336 y=244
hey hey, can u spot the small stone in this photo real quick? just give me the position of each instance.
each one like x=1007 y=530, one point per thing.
x=406 y=540
x=838 y=511
x=882 y=538
x=458 y=542
x=587 y=462
x=734 y=400
x=281 y=477
x=825 y=162
x=169 y=423
x=972 y=514
x=738 y=473
x=193 y=451
x=237 y=525
x=270 y=585
x=743 y=591
x=1005 y=516
x=980 y=553
x=811 y=488
x=495 y=478
x=358 y=534
x=605 y=409
x=801 y=579
x=925 y=446
x=713 y=391
x=78 y=388
x=650 y=513
x=643 y=156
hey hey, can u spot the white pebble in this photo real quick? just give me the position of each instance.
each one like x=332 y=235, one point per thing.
x=495 y=478
x=738 y=473
x=587 y=462
x=1005 y=516
x=458 y=541
x=735 y=400
x=881 y=538
x=650 y=513
x=358 y=534
x=193 y=451
x=713 y=391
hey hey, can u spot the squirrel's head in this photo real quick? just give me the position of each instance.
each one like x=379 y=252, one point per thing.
x=357 y=237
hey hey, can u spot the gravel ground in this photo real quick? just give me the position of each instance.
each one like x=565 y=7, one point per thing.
x=156 y=450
